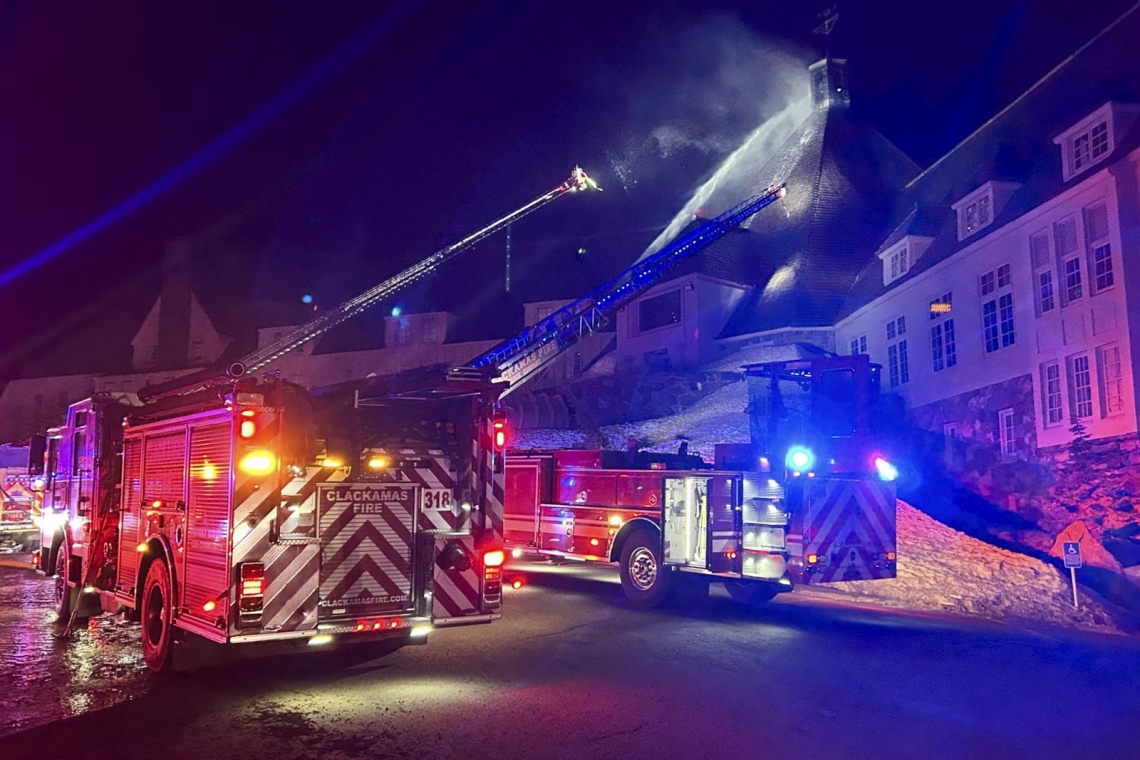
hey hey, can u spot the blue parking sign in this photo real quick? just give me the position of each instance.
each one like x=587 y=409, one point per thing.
x=1071 y=550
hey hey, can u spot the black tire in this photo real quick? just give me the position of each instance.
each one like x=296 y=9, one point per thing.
x=63 y=594
x=156 y=611
x=644 y=578
x=752 y=593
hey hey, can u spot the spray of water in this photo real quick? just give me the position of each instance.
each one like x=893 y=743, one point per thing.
x=738 y=176
x=692 y=94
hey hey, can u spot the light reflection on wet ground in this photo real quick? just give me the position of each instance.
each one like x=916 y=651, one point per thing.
x=43 y=679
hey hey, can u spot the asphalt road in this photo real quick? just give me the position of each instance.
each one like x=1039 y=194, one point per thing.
x=571 y=672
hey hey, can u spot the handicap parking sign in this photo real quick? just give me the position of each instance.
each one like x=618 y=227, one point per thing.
x=1071 y=550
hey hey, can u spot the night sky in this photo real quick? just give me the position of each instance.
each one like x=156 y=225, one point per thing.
x=305 y=147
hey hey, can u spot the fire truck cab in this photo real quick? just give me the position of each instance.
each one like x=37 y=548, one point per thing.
x=809 y=500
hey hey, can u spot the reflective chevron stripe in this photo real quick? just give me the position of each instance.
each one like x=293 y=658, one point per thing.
x=366 y=547
x=852 y=528
x=455 y=593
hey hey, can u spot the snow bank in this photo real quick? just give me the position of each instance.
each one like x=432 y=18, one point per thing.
x=940 y=569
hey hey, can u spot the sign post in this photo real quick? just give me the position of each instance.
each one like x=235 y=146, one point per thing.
x=1072 y=553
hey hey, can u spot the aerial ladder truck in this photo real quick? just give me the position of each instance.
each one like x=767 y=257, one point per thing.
x=809 y=500
x=242 y=509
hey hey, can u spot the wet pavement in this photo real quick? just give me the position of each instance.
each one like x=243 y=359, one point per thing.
x=43 y=679
x=572 y=671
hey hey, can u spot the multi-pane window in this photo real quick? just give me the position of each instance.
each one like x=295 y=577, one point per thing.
x=987 y=283
x=1073 y=290
x=1045 y=291
x=974 y=216
x=1080 y=151
x=859 y=345
x=1051 y=382
x=898 y=368
x=1088 y=147
x=990 y=325
x=1111 y=380
x=1080 y=380
x=1100 y=251
x=942 y=349
x=1005 y=315
x=1003 y=276
x=1102 y=267
x=899 y=263
x=1005 y=433
x=1043 y=272
x=1099 y=134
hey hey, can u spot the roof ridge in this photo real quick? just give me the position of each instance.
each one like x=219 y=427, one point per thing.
x=1026 y=94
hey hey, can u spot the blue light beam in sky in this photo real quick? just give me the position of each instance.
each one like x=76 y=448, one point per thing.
x=381 y=26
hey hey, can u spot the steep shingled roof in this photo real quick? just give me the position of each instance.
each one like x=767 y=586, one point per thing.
x=842 y=177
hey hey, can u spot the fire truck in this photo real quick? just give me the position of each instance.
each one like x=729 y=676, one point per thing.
x=241 y=509
x=809 y=500
x=21 y=493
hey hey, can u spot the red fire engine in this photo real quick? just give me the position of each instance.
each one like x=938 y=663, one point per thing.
x=247 y=510
x=811 y=500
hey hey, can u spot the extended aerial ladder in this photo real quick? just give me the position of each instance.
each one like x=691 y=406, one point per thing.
x=321 y=324
x=521 y=357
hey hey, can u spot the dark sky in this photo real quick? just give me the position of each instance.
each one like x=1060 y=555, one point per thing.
x=305 y=147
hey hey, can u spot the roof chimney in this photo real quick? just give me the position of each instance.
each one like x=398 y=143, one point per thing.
x=829 y=83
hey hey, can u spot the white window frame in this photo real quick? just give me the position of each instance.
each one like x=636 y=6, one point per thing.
x=975 y=212
x=897 y=261
x=1006 y=434
x=1080 y=386
x=1044 y=278
x=1110 y=379
x=1053 y=399
x=1074 y=160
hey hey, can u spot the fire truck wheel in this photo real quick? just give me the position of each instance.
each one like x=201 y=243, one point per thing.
x=644 y=579
x=752 y=593
x=63 y=594
x=157 y=630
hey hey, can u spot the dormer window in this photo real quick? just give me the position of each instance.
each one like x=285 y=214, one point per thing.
x=1086 y=143
x=975 y=211
x=896 y=262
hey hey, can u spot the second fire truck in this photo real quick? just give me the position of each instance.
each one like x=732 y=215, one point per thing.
x=810 y=500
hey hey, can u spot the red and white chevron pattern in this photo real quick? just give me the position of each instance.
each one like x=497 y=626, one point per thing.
x=850 y=526
x=367 y=532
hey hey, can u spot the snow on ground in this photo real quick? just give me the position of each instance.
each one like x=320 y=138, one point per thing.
x=717 y=418
x=939 y=569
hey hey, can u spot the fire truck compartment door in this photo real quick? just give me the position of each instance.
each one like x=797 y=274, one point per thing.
x=849 y=527
x=686 y=521
x=367 y=542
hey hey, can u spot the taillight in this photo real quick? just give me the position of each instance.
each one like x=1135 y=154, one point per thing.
x=248 y=429
x=251 y=593
x=500 y=426
x=493 y=576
